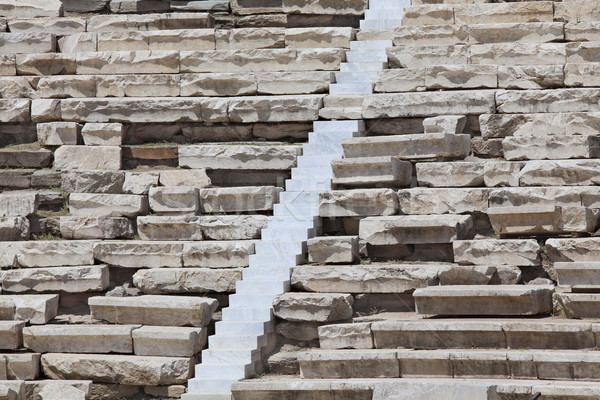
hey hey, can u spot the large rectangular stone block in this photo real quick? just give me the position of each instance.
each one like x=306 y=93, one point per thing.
x=497 y=251
x=559 y=173
x=187 y=280
x=19 y=43
x=550 y=147
x=79 y=338
x=242 y=199
x=443 y=201
x=450 y=174
x=37 y=309
x=528 y=32
x=107 y=205
x=139 y=254
x=174 y=200
x=551 y=101
x=539 y=11
x=422 y=56
x=169 y=341
x=371 y=171
x=18 y=204
x=358 y=203
x=149 y=22
x=275 y=108
x=431 y=35
x=169 y=227
x=56 y=279
x=87 y=157
x=55 y=253
x=119 y=62
x=518 y=54
x=238 y=157
x=215 y=254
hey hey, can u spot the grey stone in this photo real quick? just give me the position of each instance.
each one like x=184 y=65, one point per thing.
x=77 y=279
x=334 y=249
x=96 y=228
x=313 y=307
x=495 y=251
x=187 y=280
x=108 y=182
x=107 y=205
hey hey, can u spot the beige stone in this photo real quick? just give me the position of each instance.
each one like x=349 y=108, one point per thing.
x=12 y=334
x=125 y=370
x=66 y=87
x=428 y=35
x=139 y=182
x=149 y=22
x=55 y=253
x=23 y=43
x=123 y=41
x=87 y=157
x=96 y=227
x=400 y=80
x=23 y=366
x=249 y=38
x=497 y=251
x=196 y=178
x=32 y=8
x=98 y=134
x=153 y=85
x=170 y=200
x=172 y=227
x=78 y=42
x=232 y=227
x=275 y=108
x=46 y=64
x=14 y=110
x=352 y=7
x=139 y=254
x=238 y=157
x=37 y=309
x=169 y=341
x=181 y=39
x=456 y=174
x=239 y=199
x=58 y=133
x=422 y=56
x=530 y=32
x=553 y=101
x=218 y=84
x=119 y=62
x=502 y=173
x=187 y=280
x=344 y=336
x=550 y=147
x=107 y=205
x=18 y=204
x=442 y=200
x=56 y=279
x=511 y=54
x=359 y=202
x=55 y=391
x=559 y=173
x=335 y=249
x=154 y=310
x=97 y=181
x=214 y=254
x=531 y=77
x=79 y=338
x=315 y=307
x=43 y=110
x=371 y=171
x=319 y=37
x=435 y=14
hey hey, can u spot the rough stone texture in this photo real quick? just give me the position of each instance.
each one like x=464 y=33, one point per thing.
x=415 y=229
x=96 y=228
x=442 y=201
x=87 y=157
x=539 y=11
x=139 y=254
x=559 y=173
x=511 y=54
x=19 y=43
x=213 y=254
x=428 y=15
x=238 y=157
x=531 y=77
x=54 y=253
x=530 y=32
x=92 y=181
x=78 y=42
x=169 y=341
x=239 y=199
x=125 y=370
x=139 y=182
x=154 y=85
x=187 y=280
x=98 y=134
x=56 y=279
x=14 y=110
x=320 y=7
x=195 y=178
x=149 y=22
x=18 y=204
x=317 y=37
x=335 y=249
x=169 y=228
x=502 y=173
x=36 y=309
x=233 y=227
x=313 y=307
x=24 y=366
x=466 y=275
x=357 y=203
x=45 y=110
x=568 y=250
x=371 y=171
x=550 y=147
x=422 y=56
x=364 y=278
x=11 y=334
x=154 y=310
x=14 y=228
x=484 y=300
x=552 y=101
x=79 y=338
x=275 y=109
x=439 y=35
x=57 y=133
x=122 y=62
x=107 y=205
x=57 y=390
x=457 y=174
x=174 y=200
x=346 y=336
x=25 y=158
x=400 y=80
x=495 y=251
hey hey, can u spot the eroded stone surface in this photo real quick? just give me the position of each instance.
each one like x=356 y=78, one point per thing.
x=315 y=307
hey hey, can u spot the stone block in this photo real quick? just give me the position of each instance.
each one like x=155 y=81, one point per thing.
x=434 y=14
x=96 y=228
x=187 y=280
x=531 y=77
x=122 y=62
x=313 y=307
x=428 y=35
x=56 y=279
x=103 y=134
x=181 y=39
x=196 y=178
x=51 y=390
x=14 y=228
x=344 y=364
x=154 y=310
x=415 y=229
x=139 y=254
x=399 y=105
x=43 y=110
x=150 y=22
x=357 y=203
x=525 y=32
x=214 y=254
x=18 y=204
x=553 y=101
x=37 y=309
x=65 y=87
x=139 y=182
x=11 y=335
x=218 y=84
x=124 y=370
x=55 y=253
x=23 y=43
x=513 y=54
x=239 y=199
x=169 y=341
x=321 y=37
x=285 y=83
x=173 y=200
x=567 y=250
x=46 y=64
x=25 y=158
x=502 y=173
x=323 y=7
x=78 y=42
x=579 y=305
x=346 y=336
x=577 y=273
x=107 y=205
x=58 y=133
x=371 y=171
x=275 y=108
x=87 y=157
x=138 y=6
x=539 y=11
x=22 y=366
x=401 y=278
x=107 y=182
x=484 y=300
x=559 y=173
x=14 y=110
x=153 y=85
x=450 y=174
x=333 y=249
x=249 y=38
x=239 y=157
x=497 y=251
x=232 y=227
x=400 y=80
x=537 y=335
x=550 y=147
x=466 y=275
x=423 y=56
x=461 y=77
x=169 y=228
x=79 y=338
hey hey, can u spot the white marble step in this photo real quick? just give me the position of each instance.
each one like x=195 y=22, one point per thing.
x=230 y=356
x=224 y=371
x=314 y=149
x=366 y=56
x=336 y=126
x=257 y=300
x=371 y=44
x=384 y=14
x=295 y=210
x=237 y=341
x=332 y=137
x=275 y=260
x=206 y=396
x=380 y=24
x=287 y=234
x=244 y=327
x=355 y=77
x=370 y=66
x=316 y=161
x=308 y=184
x=247 y=313
x=312 y=172
x=298 y=197
x=262 y=287
x=388 y=4
x=208 y=386
x=259 y=273
x=280 y=247
x=350 y=88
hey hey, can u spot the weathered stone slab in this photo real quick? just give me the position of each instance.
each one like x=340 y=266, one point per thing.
x=21 y=366
x=23 y=43
x=120 y=62
x=96 y=228
x=578 y=273
x=552 y=101
x=422 y=56
x=14 y=228
x=218 y=84
x=550 y=147
x=58 y=26
x=79 y=339
x=196 y=178
x=139 y=254
x=399 y=105
x=107 y=134
x=314 y=307
x=540 y=219
x=181 y=39
x=65 y=87
x=285 y=83
x=552 y=195
x=344 y=364
x=187 y=280
x=497 y=252
x=518 y=54
x=125 y=370
x=581 y=75
x=344 y=336
x=320 y=7
x=55 y=253
x=262 y=60
x=149 y=22
x=431 y=35
x=98 y=181
x=139 y=182
x=484 y=300
x=123 y=41
x=233 y=227
x=56 y=279
x=419 y=146
x=58 y=133
x=333 y=249
x=531 y=77
x=502 y=173
x=78 y=42
x=170 y=200
x=169 y=341
x=107 y=205
x=152 y=85
x=169 y=228
x=385 y=278
x=14 y=110
x=87 y=157
x=442 y=201
x=18 y=204
x=530 y=32
x=242 y=199
x=275 y=108
x=415 y=229
x=447 y=174
x=559 y=173
x=539 y=11
x=359 y=202
x=238 y=157
x=46 y=64
x=138 y=6
x=434 y=14
x=214 y=254
x=249 y=38
x=37 y=309
x=154 y=310
x=11 y=335
x=567 y=250
x=400 y=80
x=461 y=77
x=318 y=37
x=43 y=110
x=371 y=171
